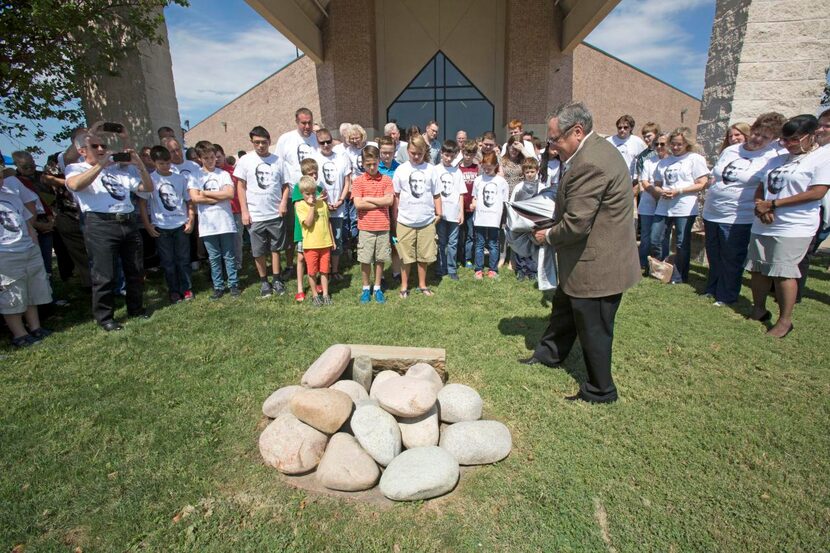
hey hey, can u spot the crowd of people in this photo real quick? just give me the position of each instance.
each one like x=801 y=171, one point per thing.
x=312 y=202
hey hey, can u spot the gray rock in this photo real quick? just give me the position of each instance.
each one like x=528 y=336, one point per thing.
x=459 y=403
x=382 y=377
x=351 y=389
x=365 y=402
x=419 y=473
x=378 y=433
x=405 y=396
x=425 y=371
x=324 y=409
x=420 y=431
x=328 y=367
x=277 y=403
x=346 y=466
x=477 y=442
x=362 y=372
x=291 y=446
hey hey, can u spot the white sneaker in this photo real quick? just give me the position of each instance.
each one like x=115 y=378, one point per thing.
x=718 y=304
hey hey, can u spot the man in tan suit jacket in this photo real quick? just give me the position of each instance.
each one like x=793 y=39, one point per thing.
x=593 y=233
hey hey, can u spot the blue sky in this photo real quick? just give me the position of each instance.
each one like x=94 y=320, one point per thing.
x=221 y=48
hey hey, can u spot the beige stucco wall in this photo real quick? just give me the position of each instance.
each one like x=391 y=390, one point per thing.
x=271 y=103
x=611 y=88
x=410 y=33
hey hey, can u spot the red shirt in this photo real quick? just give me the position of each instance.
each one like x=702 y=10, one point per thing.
x=469 y=173
x=367 y=186
x=235 y=208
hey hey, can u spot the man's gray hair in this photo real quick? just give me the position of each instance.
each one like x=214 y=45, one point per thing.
x=389 y=127
x=80 y=139
x=573 y=113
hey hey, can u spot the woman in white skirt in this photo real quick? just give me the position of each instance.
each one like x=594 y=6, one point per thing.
x=786 y=219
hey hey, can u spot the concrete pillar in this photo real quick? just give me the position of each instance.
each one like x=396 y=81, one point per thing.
x=141 y=95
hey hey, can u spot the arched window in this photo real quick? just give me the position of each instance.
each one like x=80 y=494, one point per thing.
x=441 y=92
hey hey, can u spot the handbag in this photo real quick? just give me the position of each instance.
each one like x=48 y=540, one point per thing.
x=661 y=270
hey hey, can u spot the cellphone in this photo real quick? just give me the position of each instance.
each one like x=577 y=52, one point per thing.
x=113 y=127
x=121 y=157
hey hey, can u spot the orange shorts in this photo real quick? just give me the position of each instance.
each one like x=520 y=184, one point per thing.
x=317 y=261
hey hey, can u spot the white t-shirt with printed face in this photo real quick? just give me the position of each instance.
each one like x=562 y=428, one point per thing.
x=331 y=175
x=355 y=156
x=216 y=218
x=14 y=232
x=109 y=192
x=553 y=174
x=168 y=200
x=13 y=185
x=292 y=148
x=676 y=172
x=490 y=193
x=647 y=204
x=738 y=172
x=189 y=169
x=786 y=176
x=451 y=186
x=416 y=186
x=629 y=148
x=263 y=185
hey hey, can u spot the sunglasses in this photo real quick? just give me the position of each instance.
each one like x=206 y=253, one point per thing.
x=661 y=144
x=324 y=142
x=626 y=127
x=98 y=146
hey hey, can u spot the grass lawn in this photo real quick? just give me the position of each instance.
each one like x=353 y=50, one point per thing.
x=147 y=439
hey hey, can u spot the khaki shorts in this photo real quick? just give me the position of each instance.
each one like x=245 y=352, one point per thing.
x=373 y=246
x=417 y=245
x=23 y=281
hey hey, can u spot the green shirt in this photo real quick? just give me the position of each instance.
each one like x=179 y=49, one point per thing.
x=297 y=196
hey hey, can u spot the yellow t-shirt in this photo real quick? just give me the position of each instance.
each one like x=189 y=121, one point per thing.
x=318 y=236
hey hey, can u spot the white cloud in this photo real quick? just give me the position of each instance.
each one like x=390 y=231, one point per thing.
x=212 y=65
x=656 y=36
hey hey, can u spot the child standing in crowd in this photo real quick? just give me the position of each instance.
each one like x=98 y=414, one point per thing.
x=212 y=191
x=170 y=221
x=317 y=239
x=308 y=167
x=489 y=194
x=469 y=169
x=388 y=165
x=525 y=267
x=25 y=284
x=373 y=195
x=337 y=182
x=418 y=203
x=451 y=183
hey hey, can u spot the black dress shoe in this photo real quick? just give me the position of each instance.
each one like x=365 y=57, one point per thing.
x=530 y=361
x=111 y=326
x=143 y=315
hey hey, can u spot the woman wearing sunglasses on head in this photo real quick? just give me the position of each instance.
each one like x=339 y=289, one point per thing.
x=728 y=210
x=786 y=219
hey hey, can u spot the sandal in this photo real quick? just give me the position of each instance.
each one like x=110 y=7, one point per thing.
x=337 y=277
x=403 y=294
x=426 y=291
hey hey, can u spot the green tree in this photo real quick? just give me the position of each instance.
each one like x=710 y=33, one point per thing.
x=50 y=48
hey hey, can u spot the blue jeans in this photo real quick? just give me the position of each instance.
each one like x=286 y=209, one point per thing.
x=646 y=222
x=469 y=237
x=174 y=257
x=219 y=247
x=490 y=237
x=337 y=229
x=44 y=240
x=683 y=234
x=447 y=247
x=726 y=247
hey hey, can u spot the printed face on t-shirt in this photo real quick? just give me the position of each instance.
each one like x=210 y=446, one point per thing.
x=730 y=172
x=115 y=189
x=303 y=151
x=776 y=180
x=7 y=218
x=211 y=184
x=673 y=174
x=417 y=184
x=168 y=196
x=446 y=185
x=264 y=176
x=329 y=172
x=489 y=195
x=360 y=163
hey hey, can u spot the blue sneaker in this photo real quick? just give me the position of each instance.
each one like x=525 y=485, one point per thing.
x=379 y=297
x=366 y=296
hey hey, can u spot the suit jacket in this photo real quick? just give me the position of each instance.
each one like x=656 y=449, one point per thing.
x=593 y=228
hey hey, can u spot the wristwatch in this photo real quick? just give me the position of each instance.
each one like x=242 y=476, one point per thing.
x=772 y=205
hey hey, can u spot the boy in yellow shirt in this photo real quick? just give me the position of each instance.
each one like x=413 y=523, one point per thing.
x=318 y=239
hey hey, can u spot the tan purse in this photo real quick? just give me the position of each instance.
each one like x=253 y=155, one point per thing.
x=661 y=270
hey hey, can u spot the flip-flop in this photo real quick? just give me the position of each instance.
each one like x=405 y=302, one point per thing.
x=404 y=294
x=426 y=291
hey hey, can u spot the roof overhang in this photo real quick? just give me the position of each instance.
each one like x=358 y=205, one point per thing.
x=579 y=18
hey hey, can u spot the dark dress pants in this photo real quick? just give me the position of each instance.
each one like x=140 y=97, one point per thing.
x=592 y=321
x=69 y=230
x=107 y=240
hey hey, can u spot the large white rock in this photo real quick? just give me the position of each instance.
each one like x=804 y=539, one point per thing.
x=291 y=446
x=459 y=403
x=420 y=431
x=328 y=367
x=278 y=402
x=382 y=377
x=406 y=396
x=419 y=473
x=346 y=466
x=378 y=433
x=425 y=371
x=351 y=388
x=323 y=408
x=477 y=442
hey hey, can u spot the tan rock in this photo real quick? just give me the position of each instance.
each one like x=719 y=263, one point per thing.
x=406 y=396
x=425 y=371
x=324 y=409
x=351 y=388
x=346 y=466
x=381 y=377
x=420 y=431
x=291 y=446
x=277 y=403
x=328 y=367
